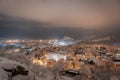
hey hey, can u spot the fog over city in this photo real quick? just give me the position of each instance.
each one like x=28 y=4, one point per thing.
x=63 y=16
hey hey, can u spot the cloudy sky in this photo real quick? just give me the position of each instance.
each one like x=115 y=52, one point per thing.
x=87 y=14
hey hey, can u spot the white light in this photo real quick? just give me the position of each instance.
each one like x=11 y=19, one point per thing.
x=17 y=50
x=56 y=56
x=62 y=43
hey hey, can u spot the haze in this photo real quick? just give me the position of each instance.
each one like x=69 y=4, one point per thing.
x=90 y=14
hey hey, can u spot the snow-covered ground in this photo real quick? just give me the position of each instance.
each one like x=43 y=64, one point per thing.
x=35 y=72
x=9 y=68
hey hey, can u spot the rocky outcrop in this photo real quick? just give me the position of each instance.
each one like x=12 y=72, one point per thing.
x=12 y=70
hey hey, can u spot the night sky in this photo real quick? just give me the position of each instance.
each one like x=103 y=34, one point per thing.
x=46 y=19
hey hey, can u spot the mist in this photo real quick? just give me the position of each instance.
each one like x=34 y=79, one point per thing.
x=87 y=14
